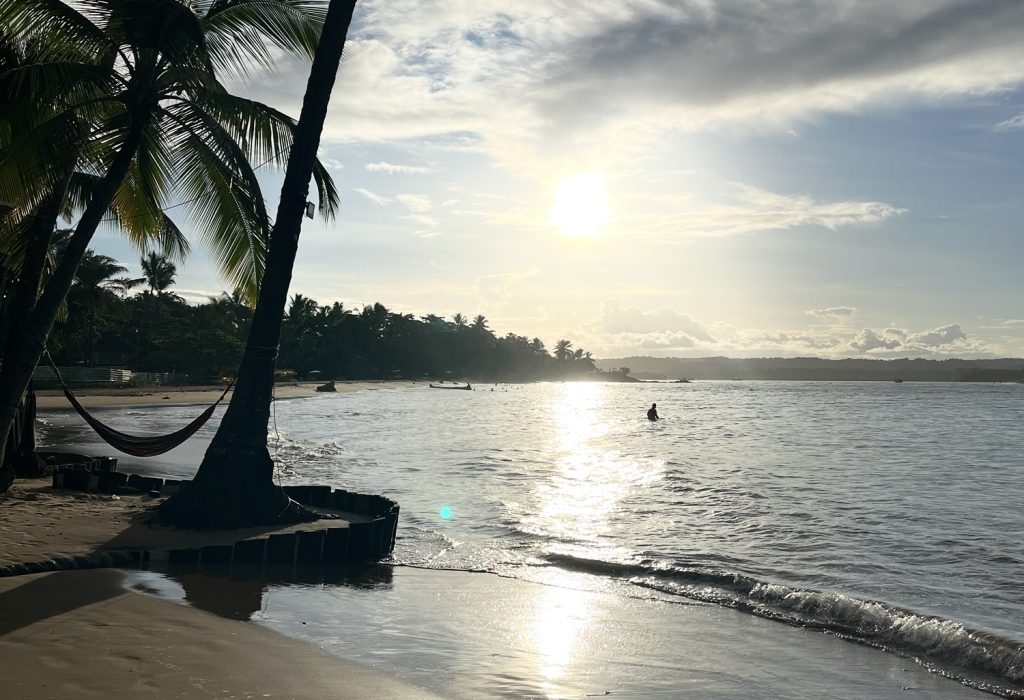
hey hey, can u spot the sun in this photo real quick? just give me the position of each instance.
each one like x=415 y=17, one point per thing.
x=581 y=205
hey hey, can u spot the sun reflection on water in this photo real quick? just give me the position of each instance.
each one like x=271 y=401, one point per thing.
x=577 y=501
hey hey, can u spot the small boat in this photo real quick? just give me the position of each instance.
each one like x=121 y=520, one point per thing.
x=898 y=380
x=684 y=380
x=462 y=387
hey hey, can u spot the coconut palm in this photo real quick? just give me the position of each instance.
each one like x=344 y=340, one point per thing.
x=142 y=77
x=96 y=283
x=158 y=272
x=563 y=350
x=234 y=484
x=459 y=320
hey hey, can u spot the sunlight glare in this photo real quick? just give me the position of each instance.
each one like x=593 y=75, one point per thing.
x=581 y=205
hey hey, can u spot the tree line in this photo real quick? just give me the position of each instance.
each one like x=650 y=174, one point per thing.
x=155 y=330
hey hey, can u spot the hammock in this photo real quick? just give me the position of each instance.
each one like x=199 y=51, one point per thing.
x=138 y=446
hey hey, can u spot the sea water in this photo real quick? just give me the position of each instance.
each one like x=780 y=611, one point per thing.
x=890 y=514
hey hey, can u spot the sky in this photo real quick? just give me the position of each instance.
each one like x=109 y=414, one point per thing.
x=750 y=178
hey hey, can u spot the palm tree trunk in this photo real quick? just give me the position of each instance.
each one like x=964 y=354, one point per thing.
x=26 y=344
x=234 y=485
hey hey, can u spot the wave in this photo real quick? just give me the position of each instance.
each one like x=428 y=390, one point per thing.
x=978 y=659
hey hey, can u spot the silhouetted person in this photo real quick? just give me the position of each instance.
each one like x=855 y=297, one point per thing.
x=652 y=412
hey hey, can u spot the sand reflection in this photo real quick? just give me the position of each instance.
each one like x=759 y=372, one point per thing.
x=561 y=617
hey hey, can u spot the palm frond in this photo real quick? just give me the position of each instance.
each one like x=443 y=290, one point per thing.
x=222 y=195
x=330 y=199
x=237 y=31
x=55 y=29
x=266 y=136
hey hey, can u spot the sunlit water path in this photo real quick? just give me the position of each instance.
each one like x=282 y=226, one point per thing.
x=888 y=513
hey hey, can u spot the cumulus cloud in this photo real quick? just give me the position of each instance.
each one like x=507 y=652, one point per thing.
x=832 y=311
x=943 y=338
x=868 y=340
x=1012 y=123
x=616 y=319
x=397 y=169
x=946 y=335
x=623 y=331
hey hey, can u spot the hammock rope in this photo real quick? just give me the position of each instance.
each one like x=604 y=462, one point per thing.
x=137 y=445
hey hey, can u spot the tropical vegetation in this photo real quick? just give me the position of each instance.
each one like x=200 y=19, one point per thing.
x=202 y=343
x=114 y=112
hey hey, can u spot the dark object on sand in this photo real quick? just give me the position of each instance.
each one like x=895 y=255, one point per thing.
x=652 y=412
x=329 y=386
x=898 y=380
x=466 y=387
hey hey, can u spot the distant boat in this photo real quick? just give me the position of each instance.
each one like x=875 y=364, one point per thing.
x=462 y=387
x=898 y=380
x=684 y=380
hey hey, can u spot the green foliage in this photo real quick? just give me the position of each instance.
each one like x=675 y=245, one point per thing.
x=159 y=332
x=83 y=81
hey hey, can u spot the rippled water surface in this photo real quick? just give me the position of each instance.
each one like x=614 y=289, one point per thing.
x=889 y=513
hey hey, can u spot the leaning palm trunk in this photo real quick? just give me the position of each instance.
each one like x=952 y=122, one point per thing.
x=27 y=341
x=234 y=485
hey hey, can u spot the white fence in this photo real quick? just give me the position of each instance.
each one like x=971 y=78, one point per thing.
x=98 y=375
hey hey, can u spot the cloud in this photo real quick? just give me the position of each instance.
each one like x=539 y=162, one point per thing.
x=616 y=319
x=397 y=169
x=751 y=210
x=377 y=199
x=832 y=311
x=418 y=203
x=947 y=335
x=536 y=83
x=868 y=340
x=621 y=331
x=1011 y=124
x=421 y=219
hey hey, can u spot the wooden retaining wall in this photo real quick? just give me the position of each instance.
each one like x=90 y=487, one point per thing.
x=315 y=547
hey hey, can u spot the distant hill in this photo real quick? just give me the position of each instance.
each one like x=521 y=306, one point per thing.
x=813 y=368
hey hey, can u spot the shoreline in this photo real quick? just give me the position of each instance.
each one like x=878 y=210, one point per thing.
x=458 y=634
x=124 y=397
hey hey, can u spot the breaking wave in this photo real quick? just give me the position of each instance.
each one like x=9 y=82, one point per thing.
x=981 y=660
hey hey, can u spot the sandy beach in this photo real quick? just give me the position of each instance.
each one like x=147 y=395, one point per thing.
x=101 y=633
x=114 y=397
x=81 y=634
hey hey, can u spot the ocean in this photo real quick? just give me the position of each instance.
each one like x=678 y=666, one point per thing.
x=885 y=514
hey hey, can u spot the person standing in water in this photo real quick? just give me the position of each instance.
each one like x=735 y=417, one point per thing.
x=652 y=412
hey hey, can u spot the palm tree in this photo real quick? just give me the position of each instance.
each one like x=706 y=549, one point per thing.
x=142 y=77
x=95 y=283
x=234 y=484
x=480 y=324
x=459 y=320
x=158 y=272
x=563 y=350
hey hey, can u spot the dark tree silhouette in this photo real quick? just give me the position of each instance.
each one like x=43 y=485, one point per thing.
x=234 y=485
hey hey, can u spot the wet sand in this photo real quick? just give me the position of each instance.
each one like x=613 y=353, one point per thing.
x=80 y=634
x=472 y=635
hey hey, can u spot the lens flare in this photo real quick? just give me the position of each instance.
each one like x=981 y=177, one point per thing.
x=445 y=513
